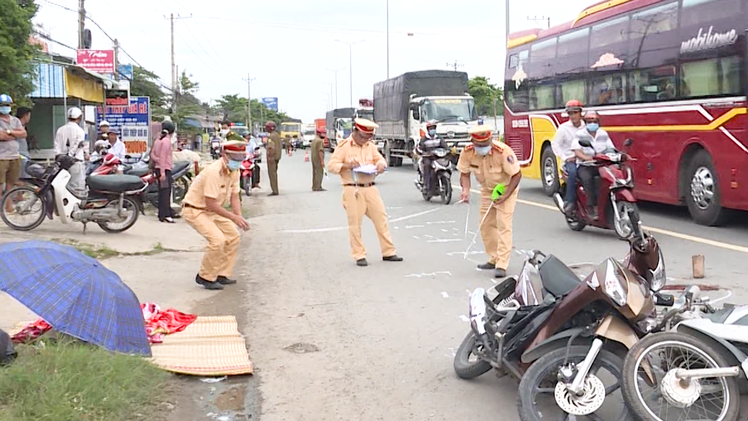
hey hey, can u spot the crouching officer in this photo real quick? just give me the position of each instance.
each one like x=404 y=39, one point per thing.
x=360 y=197
x=493 y=163
x=203 y=209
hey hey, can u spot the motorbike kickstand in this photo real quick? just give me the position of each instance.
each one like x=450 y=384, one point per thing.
x=85 y=224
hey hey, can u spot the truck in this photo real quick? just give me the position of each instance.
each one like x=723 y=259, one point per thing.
x=321 y=124
x=365 y=109
x=339 y=123
x=403 y=105
x=291 y=128
x=309 y=134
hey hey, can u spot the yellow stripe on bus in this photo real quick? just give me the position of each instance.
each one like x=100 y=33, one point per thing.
x=598 y=8
x=714 y=125
x=521 y=40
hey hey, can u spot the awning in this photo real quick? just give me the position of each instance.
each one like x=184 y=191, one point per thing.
x=60 y=80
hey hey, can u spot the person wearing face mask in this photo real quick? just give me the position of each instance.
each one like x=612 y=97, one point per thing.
x=600 y=142
x=161 y=158
x=493 y=163
x=561 y=145
x=360 y=196
x=429 y=142
x=203 y=209
x=71 y=140
x=11 y=129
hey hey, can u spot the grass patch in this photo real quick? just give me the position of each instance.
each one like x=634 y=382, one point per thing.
x=100 y=252
x=70 y=380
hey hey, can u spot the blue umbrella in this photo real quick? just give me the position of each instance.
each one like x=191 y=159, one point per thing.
x=75 y=294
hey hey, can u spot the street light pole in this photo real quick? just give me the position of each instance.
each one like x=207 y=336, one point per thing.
x=350 y=64
x=388 y=39
x=507 y=20
x=335 y=101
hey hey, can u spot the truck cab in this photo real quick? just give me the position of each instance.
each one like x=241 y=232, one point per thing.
x=290 y=129
x=453 y=114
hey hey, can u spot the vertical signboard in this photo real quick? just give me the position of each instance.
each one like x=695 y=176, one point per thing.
x=132 y=121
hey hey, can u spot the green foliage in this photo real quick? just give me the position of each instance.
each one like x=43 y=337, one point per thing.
x=145 y=83
x=234 y=108
x=16 y=65
x=485 y=94
x=186 y=103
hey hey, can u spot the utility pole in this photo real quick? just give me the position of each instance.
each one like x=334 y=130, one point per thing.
x=116 y=59
x=350 y=63
x=174 y=71
x=81 y=22
x=335 y=100
x=454 y=65
x=388 y=39
x=506 y=23
x=538 y=19
x=249 y=103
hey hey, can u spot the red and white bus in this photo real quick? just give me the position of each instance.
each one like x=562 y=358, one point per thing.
x=668 y=74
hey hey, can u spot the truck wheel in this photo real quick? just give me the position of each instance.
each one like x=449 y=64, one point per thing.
x=388 y=154
x=397 y=161
x=703 y=197
x=549 y=171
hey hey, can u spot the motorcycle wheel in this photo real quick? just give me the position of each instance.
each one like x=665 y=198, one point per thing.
x=667 y=351
x=540 y=380
x=247 y=183
x=117 y=227
x=445 y=188
x=465 y=368
x=624 y=227
x=575 y=225
x=35 y=221
x=179 y=189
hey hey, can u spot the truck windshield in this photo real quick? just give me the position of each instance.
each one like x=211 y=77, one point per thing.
x=290 y=127
x=448 y=110
x=367 y=114
x=345 y=125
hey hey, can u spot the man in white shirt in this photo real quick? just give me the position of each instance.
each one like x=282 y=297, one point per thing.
x=117 y=148
x=561 y=145
x=600 y=142
x=71 y=140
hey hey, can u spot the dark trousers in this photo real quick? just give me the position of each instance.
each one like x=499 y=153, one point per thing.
x=428 y=169
x=588 y=176
x=164 y=196
x=256 y=175
x=571 y=182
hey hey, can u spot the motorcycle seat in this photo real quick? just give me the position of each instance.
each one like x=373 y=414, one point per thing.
x=114 y=183
x=179 y=166
x=558 y=279
x=138 y=172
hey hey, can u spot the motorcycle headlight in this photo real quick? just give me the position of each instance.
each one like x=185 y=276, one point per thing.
x=613 y=285
x=659 y=278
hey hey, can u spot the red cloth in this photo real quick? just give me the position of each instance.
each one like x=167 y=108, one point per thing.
x=163 y=322
x=31 y=332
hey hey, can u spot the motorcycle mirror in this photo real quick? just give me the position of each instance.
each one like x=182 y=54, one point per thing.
x=586 y=143
x=128 y=157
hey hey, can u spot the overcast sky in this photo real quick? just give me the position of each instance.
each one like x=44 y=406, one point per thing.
x=287 y=45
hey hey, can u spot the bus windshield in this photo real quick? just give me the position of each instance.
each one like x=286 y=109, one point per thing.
x=290 y=127
x=448 y=110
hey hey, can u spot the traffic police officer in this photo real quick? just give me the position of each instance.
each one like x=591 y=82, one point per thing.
x=360 y=197
x=203 y=209
x=274 y=153
x=493 y=163
x=318 y=159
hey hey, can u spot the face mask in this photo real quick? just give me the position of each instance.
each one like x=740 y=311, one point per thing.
x=5 y=110
x=483 y=150
x=592 y=127
x=224 y=132
x=432 y=132
x=234 y=165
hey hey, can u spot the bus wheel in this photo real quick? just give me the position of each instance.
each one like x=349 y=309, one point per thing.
x=703 y=195
x=549 y=171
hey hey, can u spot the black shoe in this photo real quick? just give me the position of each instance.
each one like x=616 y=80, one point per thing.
x=213 y=286
x=569 y=208
x=169 y=220
x=225 y=281
x=177 y=216
x=362 y=263
x=499 y=273
x=593 y=213
x=273 y=194
x=393 y=258
x=486 y=266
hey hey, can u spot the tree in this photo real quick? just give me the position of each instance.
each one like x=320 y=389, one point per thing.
x=186 y=103
x=145 y=83
x=485 y=94
x=233 y=108
x=16 y=66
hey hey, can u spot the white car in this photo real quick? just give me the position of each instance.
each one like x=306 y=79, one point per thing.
x=308 y=138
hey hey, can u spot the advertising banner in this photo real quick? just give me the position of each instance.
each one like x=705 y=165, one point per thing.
x=99 y=61
x=271 y=103
x=132 y=121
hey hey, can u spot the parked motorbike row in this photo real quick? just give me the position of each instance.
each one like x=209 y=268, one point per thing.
x=598 y=349
x=112 y=201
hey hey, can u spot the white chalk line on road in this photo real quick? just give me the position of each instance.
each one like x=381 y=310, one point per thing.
x=681 y=236
x=331 y=229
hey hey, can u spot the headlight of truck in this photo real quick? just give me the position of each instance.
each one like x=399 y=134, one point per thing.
x=659 y=278
x=613 y=285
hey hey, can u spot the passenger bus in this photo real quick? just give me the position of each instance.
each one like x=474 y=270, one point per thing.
x=668 y=74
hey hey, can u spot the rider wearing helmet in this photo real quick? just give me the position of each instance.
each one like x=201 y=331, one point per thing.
x=104 y=130
x=71 y=140
x=274 y=153
x=561 y=145
x=600 y=142
x=429 y=142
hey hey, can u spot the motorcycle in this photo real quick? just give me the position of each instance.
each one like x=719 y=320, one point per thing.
x=616 y=201
x=111 y=201
x=215 y=148
x=700 y=367
x=441 y=176
x=247 y=168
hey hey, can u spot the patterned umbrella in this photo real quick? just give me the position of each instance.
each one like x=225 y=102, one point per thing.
x=75 y=294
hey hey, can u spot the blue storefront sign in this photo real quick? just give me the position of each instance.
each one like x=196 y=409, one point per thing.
x=125 y=71
x=132 y=122
x=271 y=103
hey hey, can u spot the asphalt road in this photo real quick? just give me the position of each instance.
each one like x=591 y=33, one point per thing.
x=332 y=341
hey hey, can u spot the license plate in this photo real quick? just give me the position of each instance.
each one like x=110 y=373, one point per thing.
x=478 y=311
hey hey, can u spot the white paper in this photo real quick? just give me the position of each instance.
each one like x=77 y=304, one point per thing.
x=366 y=169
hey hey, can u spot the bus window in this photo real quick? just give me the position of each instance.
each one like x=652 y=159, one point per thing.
x=654 y=21
x=608 y=33
x=713 y=77
x=607 y=90
x=542 y=97
x=696 y=12
x=517 y=98
x=651 y=85
x=572 y=52
x=572 y=89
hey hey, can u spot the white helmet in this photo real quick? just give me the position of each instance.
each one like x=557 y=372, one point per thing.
x=104 y=123
x=74 y=113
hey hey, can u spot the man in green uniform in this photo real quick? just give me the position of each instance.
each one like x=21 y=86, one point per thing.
x=318 y=159
x=274 y=152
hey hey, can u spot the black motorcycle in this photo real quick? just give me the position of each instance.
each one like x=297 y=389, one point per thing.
x=441 y=175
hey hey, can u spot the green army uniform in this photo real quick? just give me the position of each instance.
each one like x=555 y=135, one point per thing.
x=317 y=166
x=275 y=151
x=234 y=136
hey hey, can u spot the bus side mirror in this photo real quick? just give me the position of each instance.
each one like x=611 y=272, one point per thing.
x=628 y=143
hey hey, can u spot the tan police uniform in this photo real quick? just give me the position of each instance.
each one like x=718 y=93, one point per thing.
x=318 y=165
x=497 y=167
x=222 y=234
x=275 y=151
x=360 y=196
